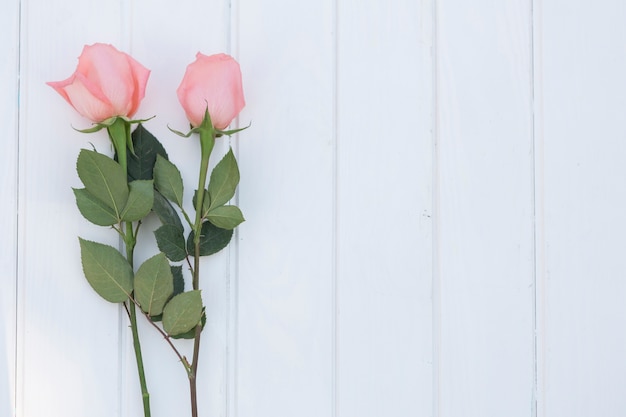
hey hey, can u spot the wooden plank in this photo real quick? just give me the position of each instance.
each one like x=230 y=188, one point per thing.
x=285 y=276
x=581 y=65
x=191 y=27
x=68 y=336
x=384 y=208
x=484 y=190
x=9 y=97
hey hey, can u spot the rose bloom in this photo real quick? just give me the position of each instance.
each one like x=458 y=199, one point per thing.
x=106 y=83
x=213 y=81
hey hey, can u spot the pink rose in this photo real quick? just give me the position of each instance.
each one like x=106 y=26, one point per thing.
x=214 y=81
x=106 y=83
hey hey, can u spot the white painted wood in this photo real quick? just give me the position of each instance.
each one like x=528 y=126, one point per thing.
x=68 y=345
x=9 y=96
x=285 y=278
x=484 y=217
x=581 y=65
x=384 y=209
x=404 y=161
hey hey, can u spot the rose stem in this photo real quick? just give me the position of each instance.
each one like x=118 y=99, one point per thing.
x=120 y=135
x=207 y=140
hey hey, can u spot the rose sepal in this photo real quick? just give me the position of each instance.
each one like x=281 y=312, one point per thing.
x=97 y=127
x=205 y=127
x=109 y=122
x=184 y=135
x=231 y=132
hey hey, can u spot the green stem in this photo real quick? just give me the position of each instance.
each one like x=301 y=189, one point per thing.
x=119 y=133
x=196 y=342
x=207 y=140
x=145 y=395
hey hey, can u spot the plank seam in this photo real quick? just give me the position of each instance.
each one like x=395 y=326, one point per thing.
x=534 y=207
x=537 y=152
x=335 y=213
x=232 y=317
x=17 y=241
x=436 y=277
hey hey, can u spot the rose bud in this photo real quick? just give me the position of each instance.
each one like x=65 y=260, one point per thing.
x=213 y=83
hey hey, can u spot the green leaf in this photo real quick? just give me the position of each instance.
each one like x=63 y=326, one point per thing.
x=192 y=333
x=179 y=287
x=154 y=284
x=106 y=270
x=206 y=202
x=104 y=178
x=171 y=242
x=147 y=147
x=168 y=181
x=140 y=201
x=165 y=211
x=93 y=209
x=179 y=281
x=224 y=180
x=226 y=217
x=182 y=313
x=212 y=239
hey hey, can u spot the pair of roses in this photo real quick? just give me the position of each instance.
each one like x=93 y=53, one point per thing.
x=107 y=88
x=109 y=83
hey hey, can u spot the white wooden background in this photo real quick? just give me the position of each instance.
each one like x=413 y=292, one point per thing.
x=434 y=193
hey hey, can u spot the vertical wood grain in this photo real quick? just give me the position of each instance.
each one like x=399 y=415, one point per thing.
x=484 y=243
x=285 y=280
x=9 y=97
x=384 y=208
x=583 y=102
x=68 y=343
x=166 y=36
